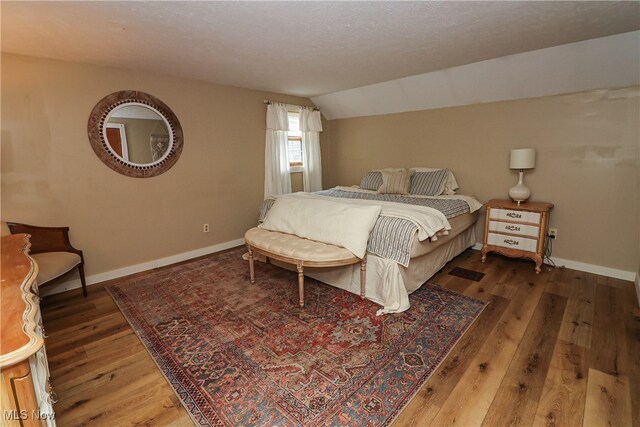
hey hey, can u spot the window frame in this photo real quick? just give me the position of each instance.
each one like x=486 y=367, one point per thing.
x=295 y=138
x=295 y=166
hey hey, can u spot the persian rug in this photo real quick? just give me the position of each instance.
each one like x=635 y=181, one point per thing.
x=248 y=355
x=476 y=276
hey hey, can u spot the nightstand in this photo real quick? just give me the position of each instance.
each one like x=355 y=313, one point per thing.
x=516 y=231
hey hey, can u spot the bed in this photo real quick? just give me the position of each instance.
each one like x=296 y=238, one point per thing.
x=419 y=229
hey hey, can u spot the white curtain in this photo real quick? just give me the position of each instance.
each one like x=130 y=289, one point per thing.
x=311 y=126
x=277 y=177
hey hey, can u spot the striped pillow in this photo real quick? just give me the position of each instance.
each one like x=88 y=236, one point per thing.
x=429 y=183
x=371 y=181
x=396 y=182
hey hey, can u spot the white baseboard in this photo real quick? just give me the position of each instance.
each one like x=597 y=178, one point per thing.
x=121 y=272
x=589 y=268
x=596 y=269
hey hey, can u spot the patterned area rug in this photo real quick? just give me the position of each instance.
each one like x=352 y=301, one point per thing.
x=242 y=354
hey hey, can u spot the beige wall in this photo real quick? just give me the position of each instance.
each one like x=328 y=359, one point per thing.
x=297 y=183
x=588 y=149
x=587 y=161
x=51 y=176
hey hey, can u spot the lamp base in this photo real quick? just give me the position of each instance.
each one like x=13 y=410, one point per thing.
x=519 y=192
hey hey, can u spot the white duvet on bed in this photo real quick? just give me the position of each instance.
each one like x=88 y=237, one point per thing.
x=430 y=221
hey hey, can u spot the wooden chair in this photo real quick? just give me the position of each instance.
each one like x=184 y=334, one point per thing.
x=52 y=251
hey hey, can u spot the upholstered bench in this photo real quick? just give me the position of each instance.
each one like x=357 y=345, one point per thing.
x=300 y=252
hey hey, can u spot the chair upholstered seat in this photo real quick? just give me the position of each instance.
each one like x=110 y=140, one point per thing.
x=51 y=250
x=54 y=264
x=4 y=229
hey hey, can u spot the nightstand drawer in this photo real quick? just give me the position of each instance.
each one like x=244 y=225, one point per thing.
x=513 y=242
x=513 y=215
x=521 y=229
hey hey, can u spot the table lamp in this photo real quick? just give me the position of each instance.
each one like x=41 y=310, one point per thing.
x=521 y=158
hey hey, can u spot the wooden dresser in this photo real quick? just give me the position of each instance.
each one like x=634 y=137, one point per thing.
x=25 y=392
x=516 y=231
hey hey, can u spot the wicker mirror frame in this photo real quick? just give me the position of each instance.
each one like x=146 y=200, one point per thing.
x=97 y=122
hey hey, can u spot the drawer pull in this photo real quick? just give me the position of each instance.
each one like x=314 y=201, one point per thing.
x=511 y=242
x=514 y=215
x=512 y=227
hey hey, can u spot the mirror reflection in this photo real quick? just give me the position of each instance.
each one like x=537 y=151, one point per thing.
x=137 y=134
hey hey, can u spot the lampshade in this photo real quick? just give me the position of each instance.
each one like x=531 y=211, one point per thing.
x=523 y=158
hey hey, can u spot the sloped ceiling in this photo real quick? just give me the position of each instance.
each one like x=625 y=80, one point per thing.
x=606 y=62
x=301 y=48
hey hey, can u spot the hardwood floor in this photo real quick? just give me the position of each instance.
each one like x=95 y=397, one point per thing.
x=560 y=348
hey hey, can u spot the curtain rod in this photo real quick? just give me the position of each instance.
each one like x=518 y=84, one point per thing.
x=266 y=101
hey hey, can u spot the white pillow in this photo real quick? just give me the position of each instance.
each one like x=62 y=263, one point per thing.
x=450 y=186
x=336 y=223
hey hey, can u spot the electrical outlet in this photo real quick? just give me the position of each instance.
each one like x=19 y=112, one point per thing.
x=553 y=233
x=205 y=228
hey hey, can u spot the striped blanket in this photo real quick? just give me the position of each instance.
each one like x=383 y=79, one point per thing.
x=392 y=235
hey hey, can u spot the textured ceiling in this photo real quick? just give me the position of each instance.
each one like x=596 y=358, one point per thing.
x=301 y=48
x=602 y=63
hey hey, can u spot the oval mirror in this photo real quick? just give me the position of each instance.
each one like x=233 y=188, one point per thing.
x=135 y=133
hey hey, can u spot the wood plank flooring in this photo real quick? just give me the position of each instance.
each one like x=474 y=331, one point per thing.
x=561 y=348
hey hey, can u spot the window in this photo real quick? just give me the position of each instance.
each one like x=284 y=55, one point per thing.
x=294 y=137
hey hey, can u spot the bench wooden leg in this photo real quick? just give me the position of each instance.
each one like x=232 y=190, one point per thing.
x=363 y=276
x=251 y=271
x=301 y=284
